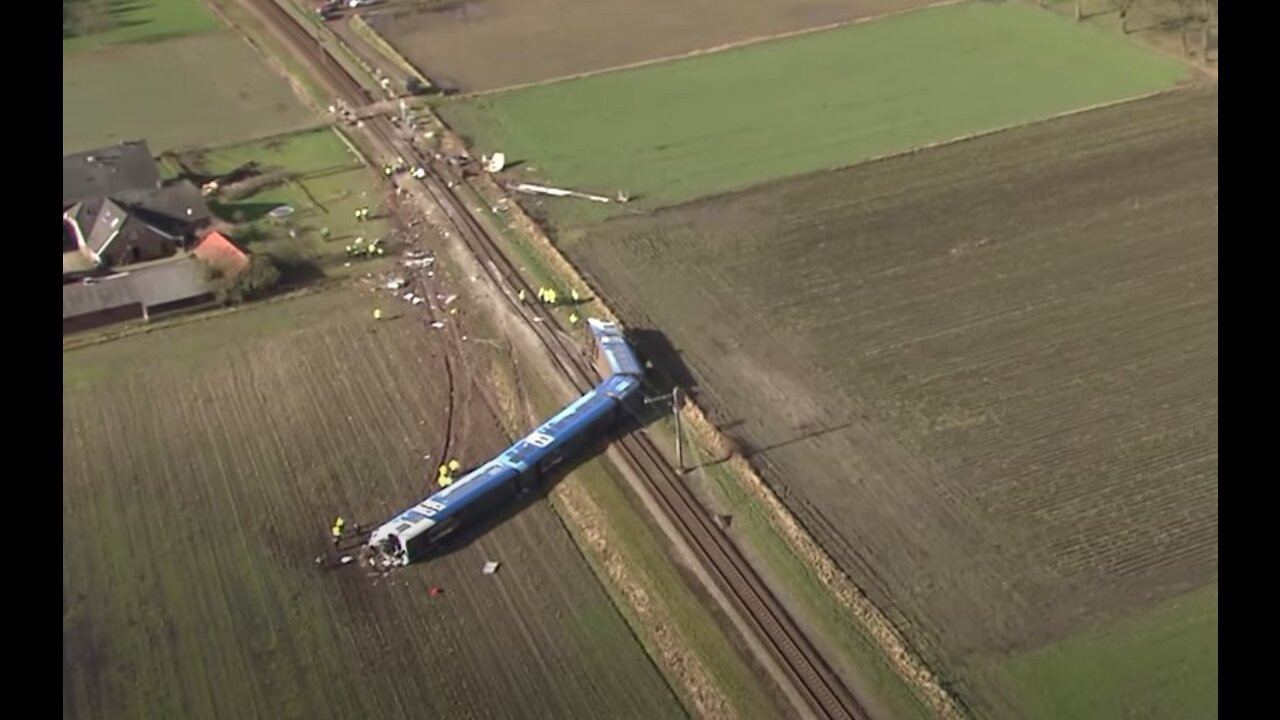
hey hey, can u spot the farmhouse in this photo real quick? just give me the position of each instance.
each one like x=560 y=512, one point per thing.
x=117 y=211
x=109 y=170
x=142 y=293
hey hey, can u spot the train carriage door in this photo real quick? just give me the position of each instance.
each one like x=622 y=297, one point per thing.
x=549 y=460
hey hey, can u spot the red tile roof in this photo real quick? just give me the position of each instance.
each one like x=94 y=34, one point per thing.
x=221 y=253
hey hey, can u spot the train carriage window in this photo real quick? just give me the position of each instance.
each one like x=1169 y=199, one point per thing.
x=540 y=439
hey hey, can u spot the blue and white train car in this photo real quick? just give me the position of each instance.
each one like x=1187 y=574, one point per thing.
x=614 y=349
x=519 y=469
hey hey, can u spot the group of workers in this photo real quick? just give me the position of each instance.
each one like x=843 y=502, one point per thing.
x=362 y=249
x=362 y=214
x=550 y=296
x=445 y=477
x=400 y=166
x=339 y=526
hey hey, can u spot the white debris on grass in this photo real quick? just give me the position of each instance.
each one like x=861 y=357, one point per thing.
x=346 y=559
x=417 y=301
x=490 y=567
x=437 y=324
x=395 y=283
x=407 y=297
x=449 y=300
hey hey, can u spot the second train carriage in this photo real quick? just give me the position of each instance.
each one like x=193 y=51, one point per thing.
x=523 y=466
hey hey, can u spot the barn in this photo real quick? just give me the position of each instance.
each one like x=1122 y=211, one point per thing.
x=142 y=293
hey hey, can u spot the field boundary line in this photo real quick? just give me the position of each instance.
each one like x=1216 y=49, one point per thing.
x=364 y=161
x=714 y=49
x=1140 y=37
x=301 y=89
x=905 y=662
x=956 y=140
x=315 y=126
x=79 y=342
x=361 y=27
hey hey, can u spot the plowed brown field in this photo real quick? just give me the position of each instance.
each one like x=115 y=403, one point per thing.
x=984 y=376
x=202 y=465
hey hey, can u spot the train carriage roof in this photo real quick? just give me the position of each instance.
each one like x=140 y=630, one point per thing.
x=615 y=348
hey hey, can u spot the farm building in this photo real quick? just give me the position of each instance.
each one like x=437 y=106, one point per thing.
x=117 y=211
x=141 y=293
x=109 y=170
x=108 y=234
x=217 y=251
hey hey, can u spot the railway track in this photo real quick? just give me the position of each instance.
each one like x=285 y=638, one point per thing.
x=814 y=680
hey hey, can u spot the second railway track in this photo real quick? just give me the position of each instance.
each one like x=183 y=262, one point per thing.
x=820 y=687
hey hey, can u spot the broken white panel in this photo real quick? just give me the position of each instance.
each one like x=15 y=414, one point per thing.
x=490 y=567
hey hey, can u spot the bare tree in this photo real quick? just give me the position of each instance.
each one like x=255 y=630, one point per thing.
x=1210 y=11
x=1185 y=15
x=1122 y=7
x=1078 y=14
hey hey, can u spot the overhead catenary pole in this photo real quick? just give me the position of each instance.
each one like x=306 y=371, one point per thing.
x=674 y=397
x=675 y=412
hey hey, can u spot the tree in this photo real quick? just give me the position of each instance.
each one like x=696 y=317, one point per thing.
x=1185 y=14
x=1210 y=11
x=1122 y=7
x=255 y=281
x=1078 y=14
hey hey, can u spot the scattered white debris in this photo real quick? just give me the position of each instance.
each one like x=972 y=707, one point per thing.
x=346 y=264
x=490 y=567
x=417 y=301
x=449 y=300
x=395 y=283
x=346 y=559
x=437 y=324
x=407 y=297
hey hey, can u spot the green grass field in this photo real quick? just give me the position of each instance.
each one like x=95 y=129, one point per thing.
x=676 y=131
x=329 y=183
x=1088 y=677
x=91 y=24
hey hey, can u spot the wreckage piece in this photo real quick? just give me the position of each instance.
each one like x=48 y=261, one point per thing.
x=531 y=189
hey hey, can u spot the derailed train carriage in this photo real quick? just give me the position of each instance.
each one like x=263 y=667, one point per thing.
x=524 y=466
